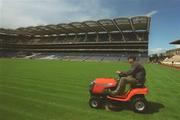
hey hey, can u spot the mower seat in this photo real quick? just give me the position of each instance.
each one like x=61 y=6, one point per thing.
x=138 y=85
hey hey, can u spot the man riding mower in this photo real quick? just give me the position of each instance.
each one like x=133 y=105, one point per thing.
x=106 y=90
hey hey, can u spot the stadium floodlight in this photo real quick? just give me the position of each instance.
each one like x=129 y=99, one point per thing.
x=65 y=26
x=108 y=24
x=77 y=24
x=140 y=22
x=123 y=21
x=52 y=26
x=91 y=23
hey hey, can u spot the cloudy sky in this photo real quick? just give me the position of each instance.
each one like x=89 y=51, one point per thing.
x=165 y=24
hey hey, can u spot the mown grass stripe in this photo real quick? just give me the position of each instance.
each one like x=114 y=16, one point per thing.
x=39 y=86
x=45 y=83
x=21 y=113
x=62 y=106
x=12 y=89
x=54 y=82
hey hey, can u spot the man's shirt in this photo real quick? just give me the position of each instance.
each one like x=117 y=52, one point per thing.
x=137 y=71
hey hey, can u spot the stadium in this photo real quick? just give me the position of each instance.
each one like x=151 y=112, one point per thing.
x=46 y=69
x=105 y=39
x=173 y=56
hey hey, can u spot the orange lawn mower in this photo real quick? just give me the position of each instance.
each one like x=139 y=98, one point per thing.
x=135 y=96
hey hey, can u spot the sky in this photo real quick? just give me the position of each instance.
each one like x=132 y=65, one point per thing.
x=165 y=23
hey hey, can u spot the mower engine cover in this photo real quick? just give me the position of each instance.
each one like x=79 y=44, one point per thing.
x=100 y=84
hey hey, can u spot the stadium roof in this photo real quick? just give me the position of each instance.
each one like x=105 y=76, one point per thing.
x=122 y=24
x=175 y=42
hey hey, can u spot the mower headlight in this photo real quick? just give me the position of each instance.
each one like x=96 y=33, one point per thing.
x=91 y=85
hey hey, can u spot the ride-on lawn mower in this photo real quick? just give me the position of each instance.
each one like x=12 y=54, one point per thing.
x=135 y=96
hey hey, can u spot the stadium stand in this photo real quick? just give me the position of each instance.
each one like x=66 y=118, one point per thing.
x=173 y=56
x=105 y=39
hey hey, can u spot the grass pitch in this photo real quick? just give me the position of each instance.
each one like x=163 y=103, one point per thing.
x=58 y=90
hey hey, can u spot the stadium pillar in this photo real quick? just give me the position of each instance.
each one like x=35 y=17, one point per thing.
x=75 y=38
x=123 y=37
x=85 y=39
x=133 y=29
x=109 y=37
x=65 y=39
x=97 y=37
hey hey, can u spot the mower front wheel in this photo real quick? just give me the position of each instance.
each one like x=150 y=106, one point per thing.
x=95 y=102
x=139 y=104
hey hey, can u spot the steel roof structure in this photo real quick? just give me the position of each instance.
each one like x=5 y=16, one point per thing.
x=176 y=42
x=122 y=24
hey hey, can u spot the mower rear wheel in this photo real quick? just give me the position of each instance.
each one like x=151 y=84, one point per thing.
x=95 y=102
x=139 y=104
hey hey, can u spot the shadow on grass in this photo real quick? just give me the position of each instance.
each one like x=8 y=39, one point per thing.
x=153 y=107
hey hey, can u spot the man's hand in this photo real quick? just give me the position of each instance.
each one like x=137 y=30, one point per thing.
x=118 y=72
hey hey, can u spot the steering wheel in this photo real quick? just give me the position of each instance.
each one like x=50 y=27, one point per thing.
x=121 y=75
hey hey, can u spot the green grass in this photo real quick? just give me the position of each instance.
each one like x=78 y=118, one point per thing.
x=58 y=90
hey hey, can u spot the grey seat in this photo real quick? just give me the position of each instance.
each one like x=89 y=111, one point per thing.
x=138 y=85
